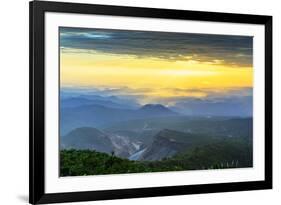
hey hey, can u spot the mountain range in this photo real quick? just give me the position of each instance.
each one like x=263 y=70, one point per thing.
x=151 y=132
x=81 y=112
x=162 y=143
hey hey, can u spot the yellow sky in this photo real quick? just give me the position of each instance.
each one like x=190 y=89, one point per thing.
x=162 y=77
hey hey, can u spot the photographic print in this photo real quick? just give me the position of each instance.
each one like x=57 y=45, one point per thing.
x=145 y=101
x=129 y=102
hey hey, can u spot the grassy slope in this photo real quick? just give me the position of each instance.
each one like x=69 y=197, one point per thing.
x=234 y=152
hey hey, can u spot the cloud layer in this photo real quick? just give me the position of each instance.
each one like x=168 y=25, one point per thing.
x=214 y=49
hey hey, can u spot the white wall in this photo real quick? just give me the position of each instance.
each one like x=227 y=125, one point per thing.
x=14 y=100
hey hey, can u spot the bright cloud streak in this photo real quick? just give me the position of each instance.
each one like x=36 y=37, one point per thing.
x=104 y=70
x=143 y=62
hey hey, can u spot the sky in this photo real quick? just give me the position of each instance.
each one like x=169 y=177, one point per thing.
x=157 y=67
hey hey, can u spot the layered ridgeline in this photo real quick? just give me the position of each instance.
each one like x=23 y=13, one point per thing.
x=103 y=135
x=100 y=115
x=232 y=153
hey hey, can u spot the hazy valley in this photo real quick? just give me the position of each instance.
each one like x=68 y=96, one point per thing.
x=151 y=134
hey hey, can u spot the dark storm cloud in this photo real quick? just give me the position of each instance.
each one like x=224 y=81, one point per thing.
x=225 y=49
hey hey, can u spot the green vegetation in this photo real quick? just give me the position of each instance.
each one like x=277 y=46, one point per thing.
x=227 y=153
x=86 y=162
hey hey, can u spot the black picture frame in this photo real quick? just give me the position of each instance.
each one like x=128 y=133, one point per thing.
x=37 y=11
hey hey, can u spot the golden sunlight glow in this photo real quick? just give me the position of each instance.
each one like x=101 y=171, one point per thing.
x=162 y=77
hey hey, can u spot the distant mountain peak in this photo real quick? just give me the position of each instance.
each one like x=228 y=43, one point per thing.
x=156 y=109
x=154 y=106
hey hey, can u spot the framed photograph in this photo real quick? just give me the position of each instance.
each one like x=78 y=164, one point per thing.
x=132 y=102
